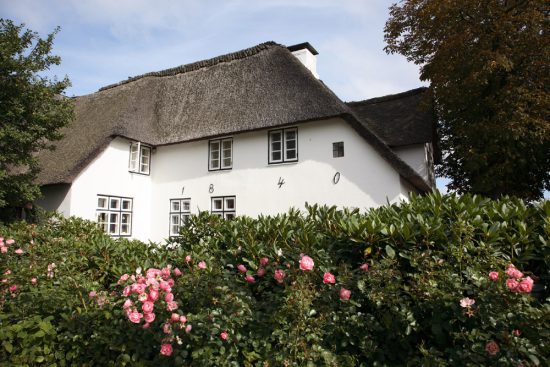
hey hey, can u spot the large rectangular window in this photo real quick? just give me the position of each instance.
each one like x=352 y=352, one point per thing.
x=140 y=158
x=180 y=210
x=224 y=206
x=220 y=154
x=283 y=145
x=114 y=214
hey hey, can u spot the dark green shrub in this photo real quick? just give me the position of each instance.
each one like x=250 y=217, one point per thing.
x=423 y=258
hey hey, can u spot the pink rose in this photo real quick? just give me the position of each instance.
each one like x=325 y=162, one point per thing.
x=146 y=325
x=224 y=335
x=264 y=261
x=169 y=297
x=516 y=332
x=3 y=249
x=306 y=263
x=153 y=295
x=7 y=272
x=153 y=273
x=128 y=303
x=142 y=280
x=165 y=286
x=512 y=284
x=177 y=272
x=526 y=285
x=512 y=272
x=167 y=328
x=242 y=268
x=328 y=278
x=165 y=273
x=175 y=317
x=493 y=276
x=188 y=259
x=147 y=307
x=143 y=297
x=13 y=288
x=467 y=302
x=183 y=319
x=260 y=272
x=139 y=288
x=202 y=265
x=34 y=281
x=279 y=275
x=10 y=242
x=126 y=291
x=19 y=251
x=171 y=306
x=188 y=328
x=345 y=294
x=149 y=317
x=492 y=348
x=249 y=279
x=123 y=278
x=171 y=282
x=364 y=267
x=92 y=294
x=135 y=317
x=166 y=350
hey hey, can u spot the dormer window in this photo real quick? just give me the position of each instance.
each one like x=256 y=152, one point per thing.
x=283 y=145
x=220 y=154
x=140 y=158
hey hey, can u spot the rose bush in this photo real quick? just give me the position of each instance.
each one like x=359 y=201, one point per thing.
x=423 y=283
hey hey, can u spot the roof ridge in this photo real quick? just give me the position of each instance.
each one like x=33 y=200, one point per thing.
x=391 y=97
x=242 y=54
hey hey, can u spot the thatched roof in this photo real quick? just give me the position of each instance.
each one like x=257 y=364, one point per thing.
x=261 y=87
x=399 y=119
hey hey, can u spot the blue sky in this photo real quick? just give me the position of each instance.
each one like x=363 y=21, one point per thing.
x=105 y=41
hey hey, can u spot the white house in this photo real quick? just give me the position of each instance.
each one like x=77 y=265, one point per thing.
x=248 y=133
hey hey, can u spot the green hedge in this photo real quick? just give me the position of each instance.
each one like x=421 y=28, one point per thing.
x=423 y=258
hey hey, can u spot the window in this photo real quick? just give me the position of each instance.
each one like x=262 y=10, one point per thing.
x=283 y=145
x=114 y=215
x=220 y=154
x=338 y=149
x=140 y=158
x=180 y=210
x=224 y=206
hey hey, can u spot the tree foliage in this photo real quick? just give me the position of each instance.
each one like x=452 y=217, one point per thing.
x=488 y=66
x=32 y=109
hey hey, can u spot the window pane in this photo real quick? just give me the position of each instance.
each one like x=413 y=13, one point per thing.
x=175 y=230
x=291 y=144
x=102 y=202
x=134 y=148
x=184 y=218
x=290 y=135
x=215 y=154
x=229 y=204
x=229 y=215
x=114 y=203
x=226 y=153
x=276 y=156
x=290 y=154
x=175 y=206
x=175 y=219
x=126 y=204
x=276 y=136
x=227 y=144
x=186 y=205
x=275 y=146
x=126 y=222
x=217 y=204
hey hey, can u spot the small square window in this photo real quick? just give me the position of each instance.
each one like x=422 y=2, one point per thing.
x=126 y=204
x=229 y=204
x=175 y=205
x=114 y=204
x=224 y=206
x=338 y=149
x=102 y=202
x=217 y=204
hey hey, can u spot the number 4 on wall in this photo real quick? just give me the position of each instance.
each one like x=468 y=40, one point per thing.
x=281 y=182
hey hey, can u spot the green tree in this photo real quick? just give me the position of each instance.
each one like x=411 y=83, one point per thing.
x=488 y=66
x=32 y=109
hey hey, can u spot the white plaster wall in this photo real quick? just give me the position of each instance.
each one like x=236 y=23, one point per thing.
x=56 y=198
x=415 y=156
x=366 y=179
x=108 y=175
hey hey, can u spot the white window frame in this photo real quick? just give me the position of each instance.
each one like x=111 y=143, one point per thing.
x=114 y=215
x=285 y=146
x=220 y=154
x=180 y=211
x=140 y=158
x=224 y=206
